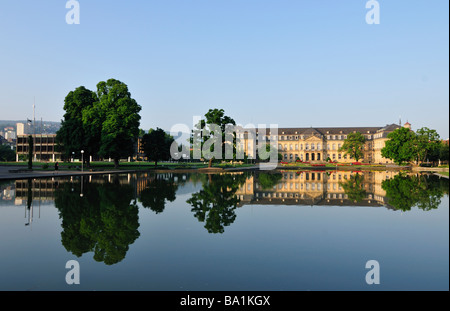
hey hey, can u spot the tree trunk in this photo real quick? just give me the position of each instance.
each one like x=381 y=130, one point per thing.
x=116 y=163
x=210 y=162
x=156 y=164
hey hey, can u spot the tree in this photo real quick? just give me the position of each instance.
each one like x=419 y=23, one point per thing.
x=7 y=154
x=120 y=120
x=354 y=145
x=214 y=117
x=426 y=142
x=156 y=145
x=400 y=147
x=78 y=131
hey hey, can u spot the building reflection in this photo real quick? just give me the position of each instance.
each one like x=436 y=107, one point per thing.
x=341 y=188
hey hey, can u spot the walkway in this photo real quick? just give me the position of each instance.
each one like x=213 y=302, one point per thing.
x=6 y=172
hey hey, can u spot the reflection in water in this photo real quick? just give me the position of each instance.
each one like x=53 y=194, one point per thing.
x=215 y=203
x=100 y=214
x=354 y=187
x=423 y=191
x=104 y=220
x=159 y=190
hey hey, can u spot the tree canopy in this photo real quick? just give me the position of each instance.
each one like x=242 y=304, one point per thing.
x=405 y=146
x=400 y=146
x=156 y=145
x=104 y=123
x=354 y=145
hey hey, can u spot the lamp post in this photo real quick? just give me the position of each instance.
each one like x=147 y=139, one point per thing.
x=82 y=160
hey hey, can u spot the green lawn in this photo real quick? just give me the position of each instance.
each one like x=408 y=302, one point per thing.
x=123 y=165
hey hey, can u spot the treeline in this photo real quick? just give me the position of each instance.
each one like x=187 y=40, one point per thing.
x=406 y=146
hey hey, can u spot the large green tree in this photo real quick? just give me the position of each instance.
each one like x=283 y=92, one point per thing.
x=76 y=132
x=156 y=145
x=354 y=145
x=104 y=123
x=400 y=147
x=120 y=118
x=426 y=142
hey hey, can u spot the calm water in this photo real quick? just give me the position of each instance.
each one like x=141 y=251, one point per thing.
x=289 y=231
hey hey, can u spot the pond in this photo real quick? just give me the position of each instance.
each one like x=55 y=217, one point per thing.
x=252 y=231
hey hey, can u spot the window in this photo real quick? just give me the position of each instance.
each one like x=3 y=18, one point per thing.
x=306 y=146
x=334 y=146
x=296 y=147
x=312 y=146
x=318 y=146
x=328 y=137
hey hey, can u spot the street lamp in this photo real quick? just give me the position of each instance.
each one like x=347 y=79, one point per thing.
x=82 y=160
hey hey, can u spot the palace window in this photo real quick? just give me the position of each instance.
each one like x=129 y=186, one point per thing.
x=306 y=146
x=312 y=146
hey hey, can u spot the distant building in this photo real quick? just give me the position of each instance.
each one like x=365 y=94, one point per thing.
x=20 y=129
x=320 y=144
x=44 y=147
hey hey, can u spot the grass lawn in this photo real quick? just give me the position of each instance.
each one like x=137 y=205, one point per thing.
x=123 y=165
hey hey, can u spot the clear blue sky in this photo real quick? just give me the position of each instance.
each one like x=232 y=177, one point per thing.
x=296 y=63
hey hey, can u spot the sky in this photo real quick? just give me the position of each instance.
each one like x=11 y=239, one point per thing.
x=295 y=63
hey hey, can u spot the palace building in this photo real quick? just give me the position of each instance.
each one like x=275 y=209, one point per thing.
x=320 y=144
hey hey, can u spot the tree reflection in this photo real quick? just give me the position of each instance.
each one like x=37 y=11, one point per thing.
x=158 y=191
x=215 y=204
x=104 y=220
x=423 y=191
x=354 y=187
x=268 y=180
